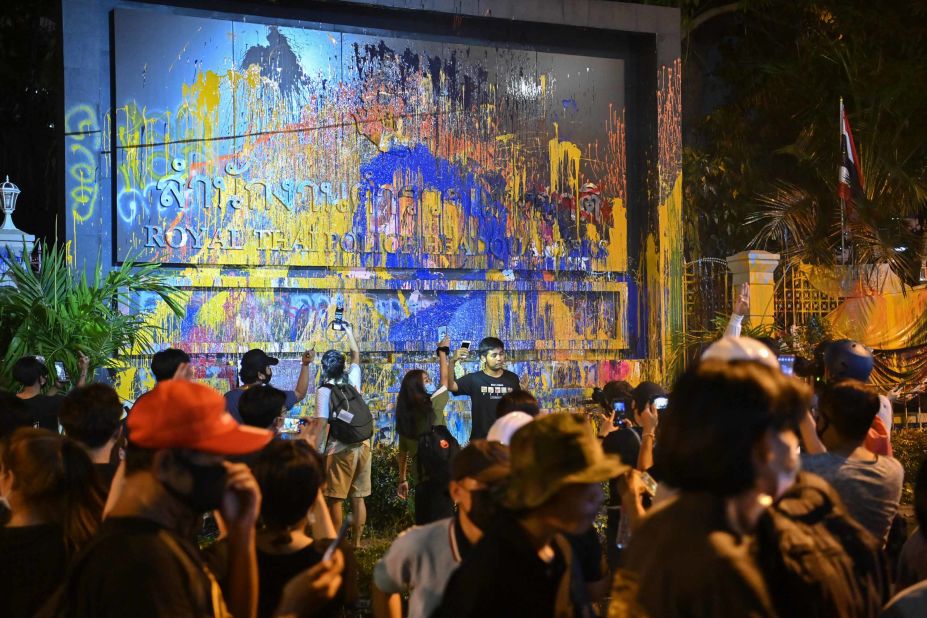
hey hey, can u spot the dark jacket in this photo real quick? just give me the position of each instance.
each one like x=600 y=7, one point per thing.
x=684 y=560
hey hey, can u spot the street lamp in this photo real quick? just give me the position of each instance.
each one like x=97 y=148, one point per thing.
x=8 y=194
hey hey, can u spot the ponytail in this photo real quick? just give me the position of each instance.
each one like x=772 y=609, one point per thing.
x=83 y=496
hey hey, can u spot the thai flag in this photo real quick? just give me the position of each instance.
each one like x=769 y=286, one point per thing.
x=850 y=180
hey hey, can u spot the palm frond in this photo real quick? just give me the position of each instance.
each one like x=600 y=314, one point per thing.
x=57 y=312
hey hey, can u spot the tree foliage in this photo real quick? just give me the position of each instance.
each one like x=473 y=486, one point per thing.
x=762 y=148
x=55 y=312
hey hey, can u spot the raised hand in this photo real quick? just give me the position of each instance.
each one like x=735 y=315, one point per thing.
x=742 y=306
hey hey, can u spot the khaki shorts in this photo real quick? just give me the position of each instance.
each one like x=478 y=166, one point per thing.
x=348 y=472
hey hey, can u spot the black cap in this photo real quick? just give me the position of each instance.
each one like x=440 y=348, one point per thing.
x=257 y=360
x=645 y=392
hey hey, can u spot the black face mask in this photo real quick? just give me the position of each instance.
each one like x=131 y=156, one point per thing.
x=208 y=486
x=482 y=508
x=822 y=424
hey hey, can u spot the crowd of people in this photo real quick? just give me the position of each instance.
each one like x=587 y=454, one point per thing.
x=740 y=491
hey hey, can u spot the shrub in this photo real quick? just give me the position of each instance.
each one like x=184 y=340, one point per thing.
x=387 y=515
x=909 y=447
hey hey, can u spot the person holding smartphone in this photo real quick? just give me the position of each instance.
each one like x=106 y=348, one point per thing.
x=486 y=386
x=44 y=403
x=631 y=433
x=256 y=371
x=142 y=561
x=419 y=408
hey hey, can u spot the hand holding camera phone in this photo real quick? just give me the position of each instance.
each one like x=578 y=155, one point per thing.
x=338 y=323
x=348 y=520
x=650 y=484
x=620 y=408
x=60 y=374
x=291 y=425
x=465 y=345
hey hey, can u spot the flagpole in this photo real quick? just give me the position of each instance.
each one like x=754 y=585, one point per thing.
x=843 y=221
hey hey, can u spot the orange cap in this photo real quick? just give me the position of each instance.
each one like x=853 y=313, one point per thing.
x=182 y=414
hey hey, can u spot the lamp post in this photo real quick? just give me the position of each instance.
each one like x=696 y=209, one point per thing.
x=14 y=243
x=9 y=194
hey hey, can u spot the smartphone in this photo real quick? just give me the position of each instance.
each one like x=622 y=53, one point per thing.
x=442 y=333
x=338 y=322
x=291 y=425
x=787 y=364
x=660 y=403
x=60 y=372
x=621 y=412
x=344 y=529
x=465 y=345
x=649 y=483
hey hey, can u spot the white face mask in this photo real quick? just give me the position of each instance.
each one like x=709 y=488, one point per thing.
x=783 y=468
x=784 y=480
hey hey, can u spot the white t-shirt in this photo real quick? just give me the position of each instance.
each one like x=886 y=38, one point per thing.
x=323 y=395
x=420 y=562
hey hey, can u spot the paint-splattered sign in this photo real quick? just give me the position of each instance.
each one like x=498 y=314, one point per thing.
x=247 y=144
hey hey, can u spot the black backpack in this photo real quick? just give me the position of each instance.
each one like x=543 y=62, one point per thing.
x=817 y=558
x=348 y=414
x=436 y=447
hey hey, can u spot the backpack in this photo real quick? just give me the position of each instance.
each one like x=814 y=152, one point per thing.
x=436 y=447
x=348 y=414
x=817 y=558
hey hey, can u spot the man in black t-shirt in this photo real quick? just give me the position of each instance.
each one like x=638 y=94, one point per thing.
x=485 y=387
x=31 y=372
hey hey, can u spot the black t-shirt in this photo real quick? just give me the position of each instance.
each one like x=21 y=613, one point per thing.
x=485 y=392
x=33 y=561
x=275 y=570
x=626 y=443
x=137 y=568
x=43 y=410
x=587 y=553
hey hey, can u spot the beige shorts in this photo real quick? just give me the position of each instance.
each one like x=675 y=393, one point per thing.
x=348 y=472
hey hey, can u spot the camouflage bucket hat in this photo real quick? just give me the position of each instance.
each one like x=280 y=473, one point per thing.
x=554 y=451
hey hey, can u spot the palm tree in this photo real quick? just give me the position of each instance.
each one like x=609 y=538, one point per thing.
x=800 y=215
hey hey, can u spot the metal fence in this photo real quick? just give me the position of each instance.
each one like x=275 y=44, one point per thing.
x=708 y=290
x=709 y=293
x=797 y=301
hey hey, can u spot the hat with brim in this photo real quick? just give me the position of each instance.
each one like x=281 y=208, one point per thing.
x=186 y=415
x=552 y=452
x=257 y=360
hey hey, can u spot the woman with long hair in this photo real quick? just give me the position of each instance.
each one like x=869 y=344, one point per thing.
x=419 y=407
x=56 y=499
